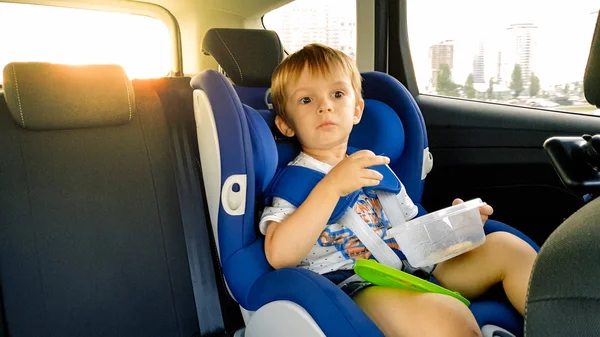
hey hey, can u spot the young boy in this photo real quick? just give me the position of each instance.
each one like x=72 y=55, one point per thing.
x=317 y=97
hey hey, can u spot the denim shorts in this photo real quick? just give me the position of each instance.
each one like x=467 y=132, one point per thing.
x=341 y=278
x=352 y=285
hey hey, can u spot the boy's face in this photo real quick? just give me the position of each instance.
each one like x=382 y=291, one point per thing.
x=321 y=110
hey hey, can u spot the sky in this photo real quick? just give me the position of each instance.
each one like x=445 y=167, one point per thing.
x=564 y=33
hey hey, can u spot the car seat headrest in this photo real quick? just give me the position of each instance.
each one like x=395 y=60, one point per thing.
x=248 y=56
x=591 y=81
x=45 y=96
x=380 y=130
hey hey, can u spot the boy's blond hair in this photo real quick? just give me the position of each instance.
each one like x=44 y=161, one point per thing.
x=319 y=59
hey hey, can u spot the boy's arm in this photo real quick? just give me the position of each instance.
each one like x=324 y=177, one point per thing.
x=289 y=241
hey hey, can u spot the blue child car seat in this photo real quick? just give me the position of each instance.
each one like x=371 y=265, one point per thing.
x=240 y=153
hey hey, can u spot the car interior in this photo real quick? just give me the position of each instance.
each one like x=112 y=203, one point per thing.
x=129 y=203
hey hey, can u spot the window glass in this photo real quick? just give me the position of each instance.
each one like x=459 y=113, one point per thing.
x=331 y=22
x=523 y=52
x=74 y=36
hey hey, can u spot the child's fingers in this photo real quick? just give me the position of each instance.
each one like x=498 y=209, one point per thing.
x=370 y=182
x=457 y=201
x=362 y=153
x=367 y=161
x=371 y=174
x=486 y=210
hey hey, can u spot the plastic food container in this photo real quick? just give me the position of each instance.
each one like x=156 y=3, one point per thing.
x=441 y=235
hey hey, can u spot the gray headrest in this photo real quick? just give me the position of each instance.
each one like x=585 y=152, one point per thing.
x=591 y=80
x=248 y=56
x=45 y=96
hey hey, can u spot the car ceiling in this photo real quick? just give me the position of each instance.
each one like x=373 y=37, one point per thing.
x=243 y=8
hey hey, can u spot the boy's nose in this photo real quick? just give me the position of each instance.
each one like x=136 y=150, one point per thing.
x=325 y=107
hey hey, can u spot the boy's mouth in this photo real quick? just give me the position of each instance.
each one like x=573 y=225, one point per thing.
x=326 y=124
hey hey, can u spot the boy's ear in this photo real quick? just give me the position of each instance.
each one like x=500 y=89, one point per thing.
x=358 y=112
x=283 y=127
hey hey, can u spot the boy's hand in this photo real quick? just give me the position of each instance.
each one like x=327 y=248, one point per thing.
x=352 y=172
x=485 y=211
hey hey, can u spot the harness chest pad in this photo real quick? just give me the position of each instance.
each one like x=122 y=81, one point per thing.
x=294 y=183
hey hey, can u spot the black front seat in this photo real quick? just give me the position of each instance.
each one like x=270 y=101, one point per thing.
x=564 y=292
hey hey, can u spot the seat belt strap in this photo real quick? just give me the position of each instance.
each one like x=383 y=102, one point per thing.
x=374 y=243
x=196 y=230
x=391 y=207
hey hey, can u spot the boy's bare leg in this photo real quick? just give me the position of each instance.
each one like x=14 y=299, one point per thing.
x=502 y=258
x=403 y=313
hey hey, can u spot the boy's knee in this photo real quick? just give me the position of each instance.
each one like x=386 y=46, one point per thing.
x=462 y=325
x=404 y=313
x=455 y=319
x=508 y=244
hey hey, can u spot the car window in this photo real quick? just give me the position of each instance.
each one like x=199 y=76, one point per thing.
x=522 y=52
x=75 y=36
x=331 y=22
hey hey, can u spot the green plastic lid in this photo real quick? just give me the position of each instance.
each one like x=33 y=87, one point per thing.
x=384 y=276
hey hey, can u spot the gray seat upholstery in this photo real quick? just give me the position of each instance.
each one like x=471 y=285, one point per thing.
x=91 y=240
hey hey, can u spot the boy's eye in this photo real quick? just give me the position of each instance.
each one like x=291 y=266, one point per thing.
x=339 y=94
x=305 y=100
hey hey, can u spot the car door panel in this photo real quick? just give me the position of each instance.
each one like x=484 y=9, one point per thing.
x=495 y=152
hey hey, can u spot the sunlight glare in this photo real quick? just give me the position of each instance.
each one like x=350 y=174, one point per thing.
x=74 y=36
